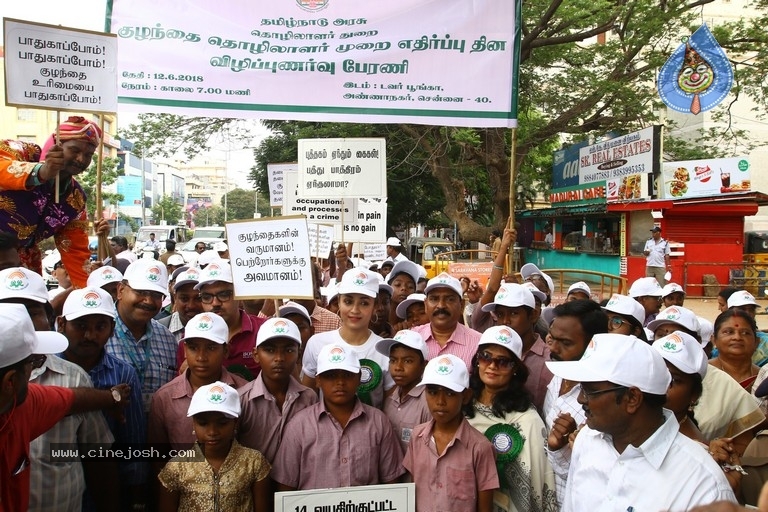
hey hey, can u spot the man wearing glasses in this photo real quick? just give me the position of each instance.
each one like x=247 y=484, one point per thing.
x=631 y=455
x=139 y=339
x=218 y=296
x=574 y=325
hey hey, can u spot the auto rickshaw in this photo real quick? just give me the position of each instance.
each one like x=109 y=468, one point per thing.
x=425 y=250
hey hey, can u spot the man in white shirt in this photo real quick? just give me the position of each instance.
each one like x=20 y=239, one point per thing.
x=393 y=250
x=631 y=455
x=120 y=245
x=656 y=252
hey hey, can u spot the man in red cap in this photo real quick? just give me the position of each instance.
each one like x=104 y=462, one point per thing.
x=28 y=207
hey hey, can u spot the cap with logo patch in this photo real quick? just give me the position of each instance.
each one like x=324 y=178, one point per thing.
x=337 y=357
x=410 y=339
x=216 y=397
x=444 y=280
x=103 y=276
x=359 y=281
x=278 y=328
x=448 y=371
x=219 y=270
x=207 y=326
x=684 y=352
x=678 y=315
x=147 y=274
x=414 y=298
x=90 y=300
x=511 y=295
x=503 y=336
x=741 y=298
x=22 y=283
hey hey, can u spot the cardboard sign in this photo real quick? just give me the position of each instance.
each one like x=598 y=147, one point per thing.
x=385 y=498
x=275 y=174
x=320 y=239
x=269 y=254
x=370 y=223
x=59 y=68
x=333 y=168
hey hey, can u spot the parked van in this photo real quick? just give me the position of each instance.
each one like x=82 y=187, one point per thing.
x=210 y=232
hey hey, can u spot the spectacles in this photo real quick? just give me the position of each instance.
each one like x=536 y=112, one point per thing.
x=589 y=395
x=500 y=362
x=616 y=322
x=223 y=296
x=36 y=360
x=147 y=294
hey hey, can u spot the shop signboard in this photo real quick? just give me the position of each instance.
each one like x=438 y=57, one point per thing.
x=593 y=193
x=635 y=153
x=710 y=177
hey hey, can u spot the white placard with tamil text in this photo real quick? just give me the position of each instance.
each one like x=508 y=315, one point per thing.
x=336 y=168
x=320 y=239
x=268 y=255
x=375 y=252
x=59 y=68
x=275 y=174
x=383 y=498
x=327 y=211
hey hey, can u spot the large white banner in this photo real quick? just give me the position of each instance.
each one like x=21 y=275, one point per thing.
x=59 y=68
x=441 y=62
x=336 y=168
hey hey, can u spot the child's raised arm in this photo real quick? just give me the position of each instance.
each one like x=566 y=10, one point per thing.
x=485 y=501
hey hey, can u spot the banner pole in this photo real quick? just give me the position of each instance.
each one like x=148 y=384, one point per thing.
x=57 y=142
x=103 y=238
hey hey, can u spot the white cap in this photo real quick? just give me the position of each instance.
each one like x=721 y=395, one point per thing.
x=671 y=288
x=406 y=337
x=529 y=269
x=444 y=280
x=291 y=307
x=208 y=326
x=103 y=276
x=393 y=241
x=20 y=340
x=537 y=294
x=683 y=352
x=175 y=260
x=706 y=330
x=741 y=298
x=503 y=336
x=90 y=300
x=402 y=308
x=679 y=315
x=406 y=266
x=337 y=357
x=330 y=291
x=147 y=274
x=359 y=281
x=220 y=247
x=448 y=371
x=422 y=272
x=216 y=397
x=219 y=270
x=511 y=295
x=207 y=257
x=22 y=283
x=627 y=306
x=580 y=286
x=645 y=287
x=278 y=328
x=189 y=276
x=623 y=360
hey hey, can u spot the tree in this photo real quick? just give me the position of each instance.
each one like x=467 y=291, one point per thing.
x=213 y=215
x=587 y=67
x=240 y=204
x=109 y=174
x=167 y=209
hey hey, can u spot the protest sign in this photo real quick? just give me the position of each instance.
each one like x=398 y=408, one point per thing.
x=320 y=239
x=448 y=63
x=327 y=211
x=270 y=257
x=342 y=168
x=59 y=68
x=385 y=498
x=375 y=252
x=275 y=174
x=370 y=222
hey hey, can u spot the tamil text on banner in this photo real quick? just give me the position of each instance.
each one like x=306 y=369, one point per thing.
x=375 y=252
x=695 y=178
x=631 y=154
x=59 y=68
x=275 y=173
x=335 y=168
x=447 y=63
x=270 y=254
x=389 y=498
x=320 y=239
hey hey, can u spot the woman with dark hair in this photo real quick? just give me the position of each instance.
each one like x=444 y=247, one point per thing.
x=723 y=296
x=736 y=341
x=502 y=409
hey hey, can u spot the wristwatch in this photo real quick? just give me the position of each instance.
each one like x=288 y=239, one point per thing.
x=116 y=396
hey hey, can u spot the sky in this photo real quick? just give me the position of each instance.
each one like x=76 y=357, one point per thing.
x=89 y=15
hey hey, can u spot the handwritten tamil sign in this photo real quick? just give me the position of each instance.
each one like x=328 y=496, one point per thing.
x=342 y=168
x=275 y=174
x=268 y=253
x=400 y=61
x=59 y=68
x=320 y=239
x=383 y=498
x=375 y=252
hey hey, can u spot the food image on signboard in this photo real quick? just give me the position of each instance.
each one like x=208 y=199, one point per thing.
x=630 y=187
x=677 y=188
x=681 y=174
x=678 y=184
